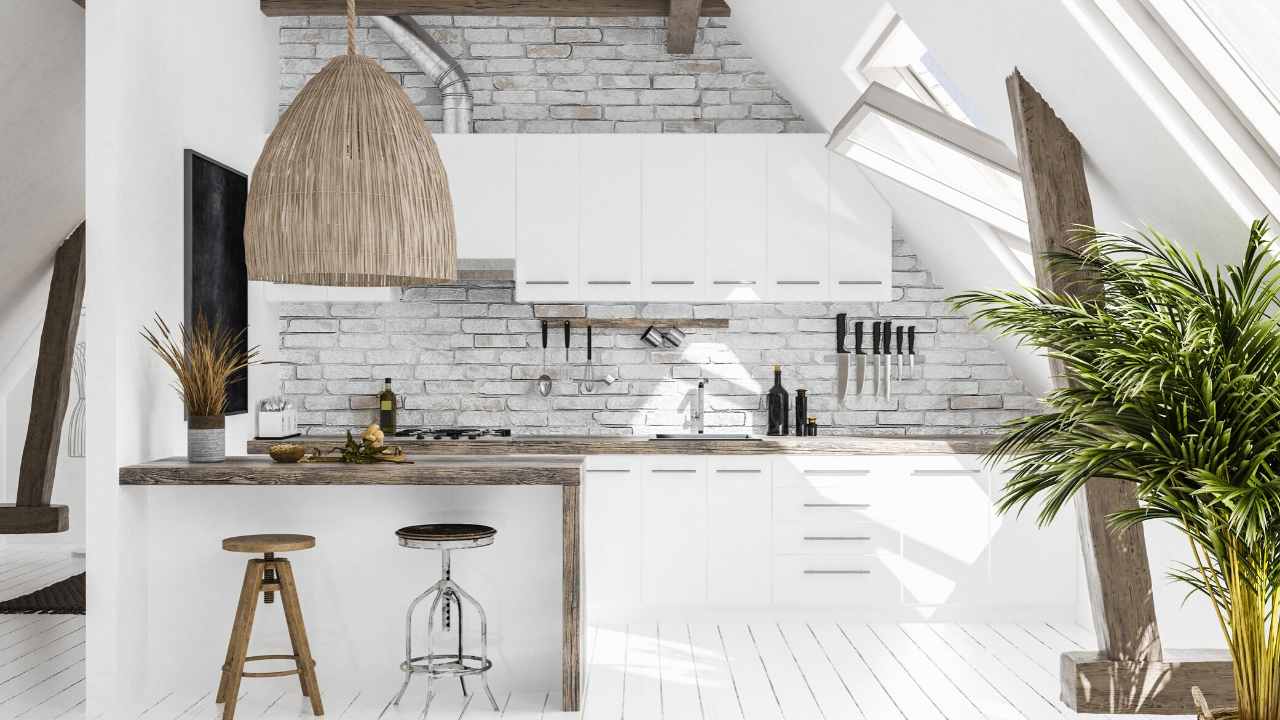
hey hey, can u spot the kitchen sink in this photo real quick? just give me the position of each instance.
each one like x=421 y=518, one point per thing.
x=703 y=436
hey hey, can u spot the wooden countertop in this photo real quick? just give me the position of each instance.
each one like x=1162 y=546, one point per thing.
x=504 y=469
x=631 y=445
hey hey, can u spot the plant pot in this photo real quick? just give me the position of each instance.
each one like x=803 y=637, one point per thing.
x=206 y=439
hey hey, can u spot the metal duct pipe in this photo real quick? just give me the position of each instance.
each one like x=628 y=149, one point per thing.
x=437 y=64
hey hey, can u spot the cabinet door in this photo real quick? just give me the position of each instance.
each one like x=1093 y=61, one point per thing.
x=674 y=512
x=482 y=182
x=547 y=181
x=1034 y=566
x=737 y=218
x=798 y=209
x=739 y=510
x=613 y=534
x=675 y=217
x=861 y=225
x=610 y=249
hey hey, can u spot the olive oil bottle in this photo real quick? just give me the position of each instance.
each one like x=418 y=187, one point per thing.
x=387 y=408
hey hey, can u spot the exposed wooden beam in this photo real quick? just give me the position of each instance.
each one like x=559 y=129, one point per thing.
x=1092 y=683
x=682 y=26
x=533 y=8
x=1057 y=196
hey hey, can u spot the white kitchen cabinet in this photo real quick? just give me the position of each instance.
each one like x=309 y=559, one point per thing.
x=548 y=176
x=798 y=216
x=739 y=552
x=674 y=514
x=482 y=183
x=737 y=219
x=611 y=241
x=861 y=264
x=1028 y=561
x=612 y=495
x=675 y=217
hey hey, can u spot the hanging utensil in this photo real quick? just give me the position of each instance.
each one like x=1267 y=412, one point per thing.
x=589 y=382
x=566 y=342
x=544 y=380
x=842 y=360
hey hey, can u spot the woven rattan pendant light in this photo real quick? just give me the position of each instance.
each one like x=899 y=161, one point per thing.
x=349 y=189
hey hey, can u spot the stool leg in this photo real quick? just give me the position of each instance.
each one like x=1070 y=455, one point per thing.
x=484 y=640
x=271 y=574
x=462 y=679
x=298 y=633
x=238 y=646
x=408 y=640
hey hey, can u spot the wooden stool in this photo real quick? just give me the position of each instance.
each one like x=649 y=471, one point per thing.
x=268 y=575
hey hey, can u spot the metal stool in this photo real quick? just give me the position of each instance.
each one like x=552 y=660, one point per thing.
x=446 y=538
x=267 y=576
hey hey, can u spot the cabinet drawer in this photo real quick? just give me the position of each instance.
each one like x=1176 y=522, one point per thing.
x=828 y=533
x=828 y=471
x=834 y=581
x=802 y=505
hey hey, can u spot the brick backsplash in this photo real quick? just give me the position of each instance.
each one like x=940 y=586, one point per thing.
x=469 y=355
x=569 y=74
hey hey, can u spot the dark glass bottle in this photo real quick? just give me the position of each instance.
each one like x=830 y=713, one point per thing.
x=779 y=405
x=387 y=408
x=802 y=410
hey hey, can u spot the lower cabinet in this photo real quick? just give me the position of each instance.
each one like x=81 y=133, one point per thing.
x=672 y=536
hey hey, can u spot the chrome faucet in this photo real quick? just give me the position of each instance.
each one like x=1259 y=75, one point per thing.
x=699 y=411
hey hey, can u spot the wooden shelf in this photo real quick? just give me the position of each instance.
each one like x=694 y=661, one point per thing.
x=638 y=323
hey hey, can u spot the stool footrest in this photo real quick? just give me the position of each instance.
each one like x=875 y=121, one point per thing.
x=447 y=665
x=276 y=673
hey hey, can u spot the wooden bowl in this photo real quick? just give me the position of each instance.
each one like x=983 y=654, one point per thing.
x=287 y=452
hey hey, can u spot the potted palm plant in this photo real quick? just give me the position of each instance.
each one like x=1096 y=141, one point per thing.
x=204 y=359
x=1175 y=387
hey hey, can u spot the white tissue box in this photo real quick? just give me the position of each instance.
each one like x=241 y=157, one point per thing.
x=277 y=424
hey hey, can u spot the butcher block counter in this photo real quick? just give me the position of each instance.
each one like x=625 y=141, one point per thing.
x=641 y=445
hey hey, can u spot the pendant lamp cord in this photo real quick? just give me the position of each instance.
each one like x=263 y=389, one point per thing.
x=351 y=27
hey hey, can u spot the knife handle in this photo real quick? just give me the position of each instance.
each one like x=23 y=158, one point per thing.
x=842 y=329
x=857 y=337
x=911 y=340
x=589 y=342
x=566 y=339
x=875 y=338
x=544 y=335
x=898 y=339
x=886 y=329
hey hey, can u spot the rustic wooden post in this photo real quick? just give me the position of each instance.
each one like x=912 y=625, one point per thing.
x=1129 y=673
x=32 y=513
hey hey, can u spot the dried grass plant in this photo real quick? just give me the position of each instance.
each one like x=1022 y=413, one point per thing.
x=204 y=358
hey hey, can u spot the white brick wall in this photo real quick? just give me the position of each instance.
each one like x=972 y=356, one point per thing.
x=469 y=356
x=553 y=75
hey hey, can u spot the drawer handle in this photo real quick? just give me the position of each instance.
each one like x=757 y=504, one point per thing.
x=850 y=471
x=733 y=282
x=671 y=282
x=860 y=282
x=740 y=471
x=799 y=282
x=608 y=282
x=943 y=473
x=608 y=470
x=546 y=282
x=860 y=506
x=850 y=538
x=673 y=470
x=837 y=572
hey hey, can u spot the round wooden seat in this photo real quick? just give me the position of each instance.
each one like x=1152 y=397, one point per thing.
x=446 y=532
x=268 y=543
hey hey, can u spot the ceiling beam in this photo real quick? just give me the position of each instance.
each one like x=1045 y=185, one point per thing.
x=530 y=8
x=682 y=26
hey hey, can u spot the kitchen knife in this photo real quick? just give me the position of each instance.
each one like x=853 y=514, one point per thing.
x=875 y=358
x=861 y=371
x=911 y=349
x=842 y=358
x=888 y=358
x=898 y=349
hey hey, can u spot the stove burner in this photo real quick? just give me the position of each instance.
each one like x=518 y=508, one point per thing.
x=453 y=433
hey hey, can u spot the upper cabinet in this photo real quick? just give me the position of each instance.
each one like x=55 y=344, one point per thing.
x=548 y=217
x=625 y=218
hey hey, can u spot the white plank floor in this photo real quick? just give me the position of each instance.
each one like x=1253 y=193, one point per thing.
x=754 y=671
x=41 y=656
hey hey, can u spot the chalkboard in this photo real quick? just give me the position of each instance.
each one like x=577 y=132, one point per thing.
x=216 y=281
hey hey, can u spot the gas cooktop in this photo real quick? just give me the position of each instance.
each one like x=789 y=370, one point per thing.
x=452 y=433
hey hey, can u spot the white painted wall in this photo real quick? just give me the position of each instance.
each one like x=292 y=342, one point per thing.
x=161 y=76
x=41 y=201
